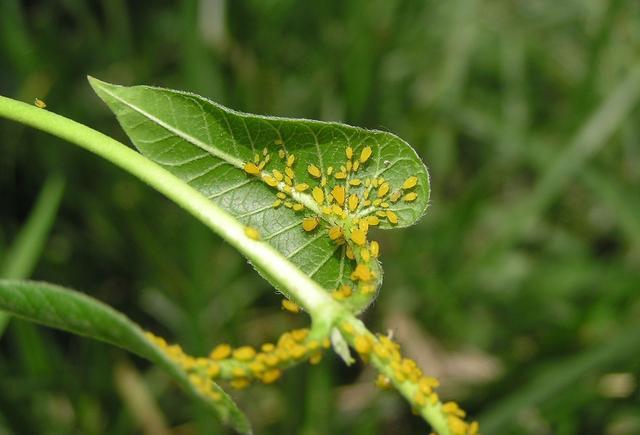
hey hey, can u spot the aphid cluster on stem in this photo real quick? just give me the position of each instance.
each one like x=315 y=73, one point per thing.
x=405 y=373
x=243 y=365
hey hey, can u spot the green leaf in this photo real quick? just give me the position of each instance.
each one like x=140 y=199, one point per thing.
x=216 y=150
x=75 y=312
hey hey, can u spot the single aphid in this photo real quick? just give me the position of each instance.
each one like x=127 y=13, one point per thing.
x=349 y=153
x=353 y=202
x=393 y=218
x=251 y=168
x=338 y=193
x=383 y=189
x=410 y=182
x=290 y=160
x=314 y=171
x=411 y=196
x=359 y=237
x=310 y=223
x=301 y=187
x=40 y=104
x=365 y=154
x=252 y=233
x=290 y=306
x=335 y=232
x=318 y=195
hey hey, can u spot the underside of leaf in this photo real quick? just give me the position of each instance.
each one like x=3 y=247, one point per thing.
x=311 y=189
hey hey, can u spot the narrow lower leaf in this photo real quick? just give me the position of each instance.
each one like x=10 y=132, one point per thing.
x=75 y=312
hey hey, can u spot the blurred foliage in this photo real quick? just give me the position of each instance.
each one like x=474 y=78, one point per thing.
x=519 y=289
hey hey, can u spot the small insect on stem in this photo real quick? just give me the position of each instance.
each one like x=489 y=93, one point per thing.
x=39 y=103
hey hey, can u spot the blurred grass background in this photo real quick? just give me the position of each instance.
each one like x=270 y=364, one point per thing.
x=519 y=289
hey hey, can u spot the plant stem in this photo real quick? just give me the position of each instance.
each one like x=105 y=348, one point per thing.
x=294 y=282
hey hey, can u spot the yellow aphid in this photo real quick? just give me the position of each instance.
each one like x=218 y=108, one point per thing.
x=381 y=213
x=353 y=201
x=290 y=306
x=297 y=207
x=384 y=204
x=362 y=344
x=410 y=182
x=251 y=168
x=281 y=154
x=365 y=154
x=314 y=171
x=343 y=168
x=393 y=218
x=349 y=152
x=252 y=233
x=395 y=196
x=287 y=188
x=267 y=347
x=256 y=158
x=367 y=202
x=288 y=204
x=349 y=166
x=356 y=165
x=270 y=180
x=310 y=223
x=326 y=210
x=349 y=253
x=341 y=175
x=278 y=175
x=288 y=180
x=315 y=358
x=257 y=367
x=411 y=196
x=338 y=193
x=213 y=370
x=383 y=190
x=289 y=173
x=290 y=160
x=335 y=232
x=221 y=351
x=374 y=182
x=261 y=164
x=323 y=181
x=318 y=195
x=377 y=202
x=362 y=272
x=244 y=353
x=383 y=382
x=474 y=428
x=373 y=220
x=364 y=253
x=363 y=224
x=358 y=236
x=265 y=151
x=39 y=103
x=277 y=203
x=271 y=376
x=335 y=208
x=239 y=384
x=355 y=182
x=375 y=248
x=329 y=170
x=419 y=398
x=301 y=187
x=281 y=195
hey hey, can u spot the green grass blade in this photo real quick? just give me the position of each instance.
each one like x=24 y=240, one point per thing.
x=75 y=312
x=559 y=377
x=23 y=255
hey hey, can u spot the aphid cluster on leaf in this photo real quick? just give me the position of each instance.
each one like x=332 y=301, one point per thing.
x=343 y=201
